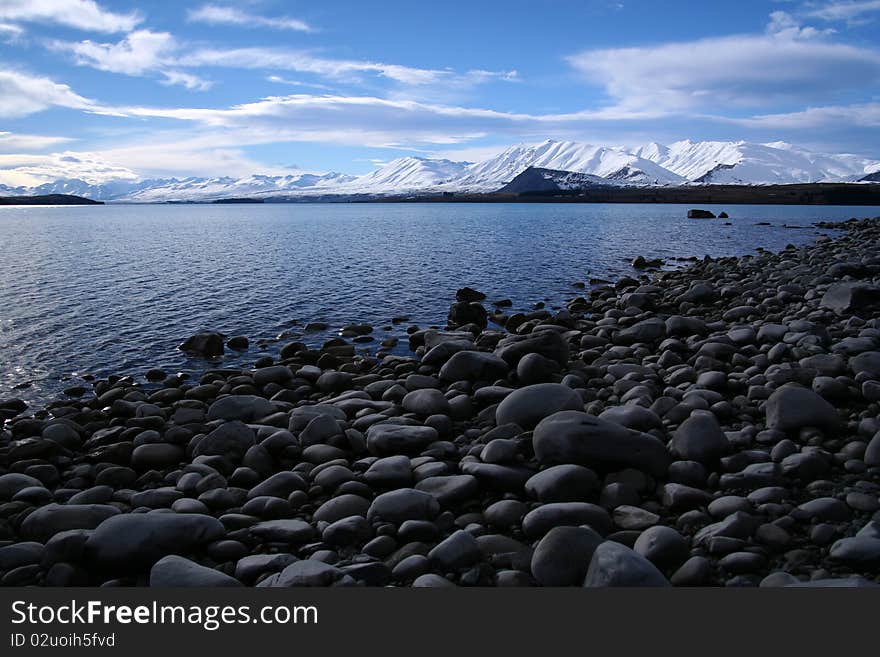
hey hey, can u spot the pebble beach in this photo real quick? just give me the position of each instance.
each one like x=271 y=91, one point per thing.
x=713 y=425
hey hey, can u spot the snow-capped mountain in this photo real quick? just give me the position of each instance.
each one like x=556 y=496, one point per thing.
x=604 y=162
x=653 y=164
x=744 y=163
x=409 y=174
x=201 y=189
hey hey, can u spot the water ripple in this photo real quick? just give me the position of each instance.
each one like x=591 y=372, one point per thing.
x=113 y=289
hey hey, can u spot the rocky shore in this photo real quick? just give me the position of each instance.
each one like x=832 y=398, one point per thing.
x=717 y=425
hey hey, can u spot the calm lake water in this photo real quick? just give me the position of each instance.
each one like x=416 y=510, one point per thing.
x=115 y=288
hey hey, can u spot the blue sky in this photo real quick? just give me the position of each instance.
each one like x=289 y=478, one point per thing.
x=117 y=89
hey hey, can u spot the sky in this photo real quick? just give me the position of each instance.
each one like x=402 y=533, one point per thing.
x=106 y=90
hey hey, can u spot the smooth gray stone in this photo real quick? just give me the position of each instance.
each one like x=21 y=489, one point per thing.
x=563 y=556
x=527 y=406
x=175 y=570
x=663 y=546
x=457 y=551
x=134 y=541
x=304 y=573
x=616 y=565
x=576 y=437
x=284 y=530
x=792 y=407
x=46 y=521
x=563 y=483
x=541 y=520
x=391 y=439
x=700 y=438
x=231 y=439
x=402 y=504
x=246 y=408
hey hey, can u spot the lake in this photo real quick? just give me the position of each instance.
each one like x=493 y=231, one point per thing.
x=114 y=289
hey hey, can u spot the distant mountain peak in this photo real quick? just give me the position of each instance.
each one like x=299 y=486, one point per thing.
x=652 y=164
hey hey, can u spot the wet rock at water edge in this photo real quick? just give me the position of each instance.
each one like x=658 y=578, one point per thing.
x=206 y=345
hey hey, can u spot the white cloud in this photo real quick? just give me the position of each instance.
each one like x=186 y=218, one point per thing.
x=224 y=15
x=187 y=80
x=304 y=62
x=277 y=79
x=741 y=71
x=784 y=25
x=10 y=32
x=845 y=11
x=139 y=52
x=81 y=14
x=866 y=115
x=11 y=141
x=22 y=94
x=32 y=170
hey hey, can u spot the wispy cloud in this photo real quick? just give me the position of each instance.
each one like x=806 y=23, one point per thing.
x=277 y=79
x=283 y=59
x=860 y=114
x=9 y=32
x=139 y=53
x=225 y=15
x=81 y=14
x=788 y=63
x=848 y=10
x=136 y=54
x=188 y=80
x=22 y=94
x=11 y=141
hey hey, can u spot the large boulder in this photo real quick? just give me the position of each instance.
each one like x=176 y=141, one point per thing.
x=844 y=298
x=549 y=344
x=791 y=407
x=246 y=408
x=576 y=437
x=230 y=439
x=466 y=365
x=528 y=406
x=12 y=482
x=135 y=541
x=46 y=521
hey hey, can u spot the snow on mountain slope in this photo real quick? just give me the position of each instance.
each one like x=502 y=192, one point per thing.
x=206 y=189
x=602 y=161
x=408 y=173
x=705 y=162
x=739 y=162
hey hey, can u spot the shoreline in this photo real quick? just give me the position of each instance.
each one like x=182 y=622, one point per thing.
x=707 y=466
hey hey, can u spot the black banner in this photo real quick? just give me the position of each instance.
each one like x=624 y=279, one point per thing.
x=414 y=621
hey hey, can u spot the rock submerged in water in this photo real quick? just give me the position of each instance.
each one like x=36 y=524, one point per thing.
x=700 y=214
x=206 y=345
x=714 y=425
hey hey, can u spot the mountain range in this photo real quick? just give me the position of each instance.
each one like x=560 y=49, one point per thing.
x=680 y=163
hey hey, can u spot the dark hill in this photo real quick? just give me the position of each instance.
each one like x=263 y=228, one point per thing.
x=48 y=199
